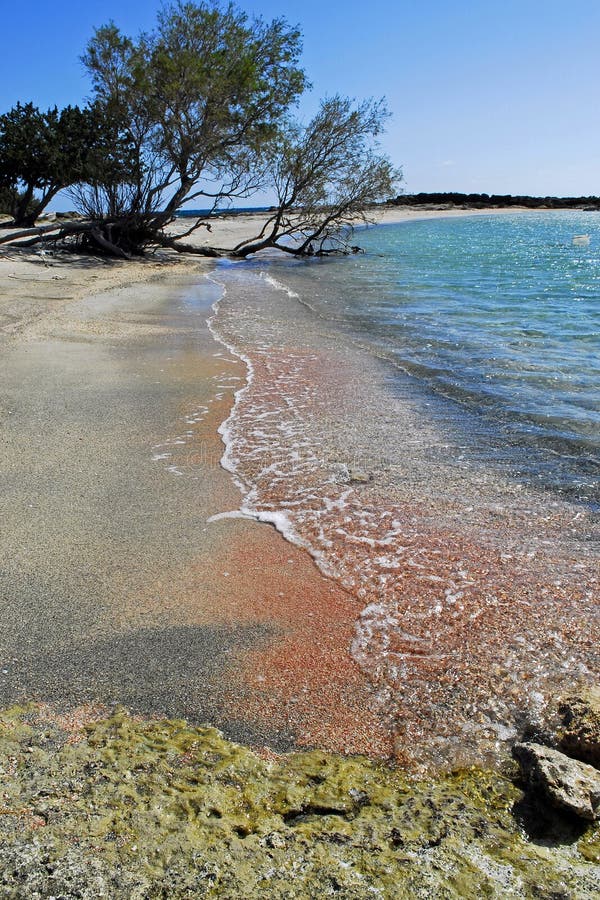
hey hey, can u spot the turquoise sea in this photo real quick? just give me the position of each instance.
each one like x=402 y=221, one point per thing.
x=497 y=320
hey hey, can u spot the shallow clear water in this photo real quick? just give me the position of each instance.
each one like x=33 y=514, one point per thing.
x=500 y=314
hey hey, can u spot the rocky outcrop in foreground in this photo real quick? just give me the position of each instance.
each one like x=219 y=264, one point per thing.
x=579 y=736
x=129 y=808
x=563 y=772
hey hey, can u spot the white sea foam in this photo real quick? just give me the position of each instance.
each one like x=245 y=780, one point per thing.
x=279 y=286
x=228 y=460
x=281 y=436
x=230 y=514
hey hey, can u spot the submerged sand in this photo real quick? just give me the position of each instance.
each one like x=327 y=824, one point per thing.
x=475 y=595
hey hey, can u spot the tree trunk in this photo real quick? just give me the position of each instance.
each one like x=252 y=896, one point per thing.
x=43 y=203
x=23 y=218
x=38 y=231
x=174 y=244
x=159 y=220
x=106 y=245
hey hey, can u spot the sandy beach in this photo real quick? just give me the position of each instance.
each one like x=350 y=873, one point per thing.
x=119 y=585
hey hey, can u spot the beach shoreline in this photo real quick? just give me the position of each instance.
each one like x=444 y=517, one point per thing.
x=106 y=580
x=232 y=581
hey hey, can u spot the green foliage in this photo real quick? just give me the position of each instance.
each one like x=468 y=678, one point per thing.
x=8 y=199
x=43 y=152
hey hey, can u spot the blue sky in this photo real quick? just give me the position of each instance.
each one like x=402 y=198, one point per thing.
x=488 y=96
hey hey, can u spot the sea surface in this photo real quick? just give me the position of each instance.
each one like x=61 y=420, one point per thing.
x=424 y=418
x=499 y=314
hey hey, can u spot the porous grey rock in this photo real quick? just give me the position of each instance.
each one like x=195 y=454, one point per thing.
x=580 y=735
x=566 y=783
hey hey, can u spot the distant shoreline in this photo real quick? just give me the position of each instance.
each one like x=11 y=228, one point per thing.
x=438 y=202
x=401 y=208
x=453 y=200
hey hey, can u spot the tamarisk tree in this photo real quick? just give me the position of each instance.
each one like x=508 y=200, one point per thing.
x=200 y=97
x=326 y=176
